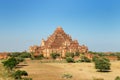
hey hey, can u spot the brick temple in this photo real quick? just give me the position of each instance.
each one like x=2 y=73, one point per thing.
x=58 y=42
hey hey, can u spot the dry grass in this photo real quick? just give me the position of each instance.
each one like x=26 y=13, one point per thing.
x=79 y=71
x=3 y=73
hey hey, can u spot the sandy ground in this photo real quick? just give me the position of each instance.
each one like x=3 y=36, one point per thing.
x=79 y=71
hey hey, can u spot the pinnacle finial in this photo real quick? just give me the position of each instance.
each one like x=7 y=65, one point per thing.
x=59 y=27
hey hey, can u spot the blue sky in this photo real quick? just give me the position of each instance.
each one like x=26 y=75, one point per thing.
x=95 y=23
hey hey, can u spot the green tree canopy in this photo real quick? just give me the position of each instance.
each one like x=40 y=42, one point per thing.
x=69 y=54
x=102 y=64
x=10 y=63
x=54 y=55
x=18 y=74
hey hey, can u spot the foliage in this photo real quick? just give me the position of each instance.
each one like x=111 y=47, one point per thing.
x=69 y=59
x=91 y=52
x=18 y=74
x=40 y=56
x=14 y=54
x=102 y=54
x=98 y=53
x=102 y=64
x=10 y=63
x=98 y=79
x=20 y=59
x=78 y=61
x=67 y=76
x=77 y=53
x=20 y=54
x=68 y=54
x=117 y=78
x=54 y=55
x=118 y=55
x=85 y=59
x=94 y=58
x=25 y=55
x=27 y=78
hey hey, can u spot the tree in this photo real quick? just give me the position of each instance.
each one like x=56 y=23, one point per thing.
x=14 y=54
x=54 y=55
x=68 y=54
x=20 y=59
x=77 y=53
x=117 y=78
x=102 y=64
x=10 y=63
x=70 y=60
x=18 y=74
x=85 y=59
x=95 y=58
x=25 y=55
x=118 y=55
x=39 y=57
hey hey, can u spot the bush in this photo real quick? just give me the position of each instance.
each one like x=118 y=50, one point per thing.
x=25 y=55
x=18 y=74
x=94 y=58
x=118 y=57
x=20 y=54
x=40 y=56
x=98 y=79
x=26 y=78
x=67 y=76
x=85 y=59
x=54 y=55
x=69 y=59
x=117 y=78
x=10 y=63
x=78 y=61
x=14 y=54
x=19 y=59
x=102 y=64
x=68 y=54
x=77 y=53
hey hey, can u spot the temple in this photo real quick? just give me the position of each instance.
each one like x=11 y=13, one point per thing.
x=58 y=42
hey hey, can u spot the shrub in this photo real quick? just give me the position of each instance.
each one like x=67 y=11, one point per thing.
x=67 y=76
x=101 y=54
x=14 y=54
x=68 y=54
x=102 y=64
x=98 y=79
x=19 y=59
x=69 y=59
x=117 y=78
x=20 y=54
x=78 y=61
x=77 y=53
x=54 y=55
x=25 y=55
x=40 y=56
x=94 y=58
x=85 y=59
x=10 y=63
x=118 y=57
x=18 y=74
x=26 y=78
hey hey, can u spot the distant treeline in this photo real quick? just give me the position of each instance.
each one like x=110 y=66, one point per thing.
x=105 y=53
